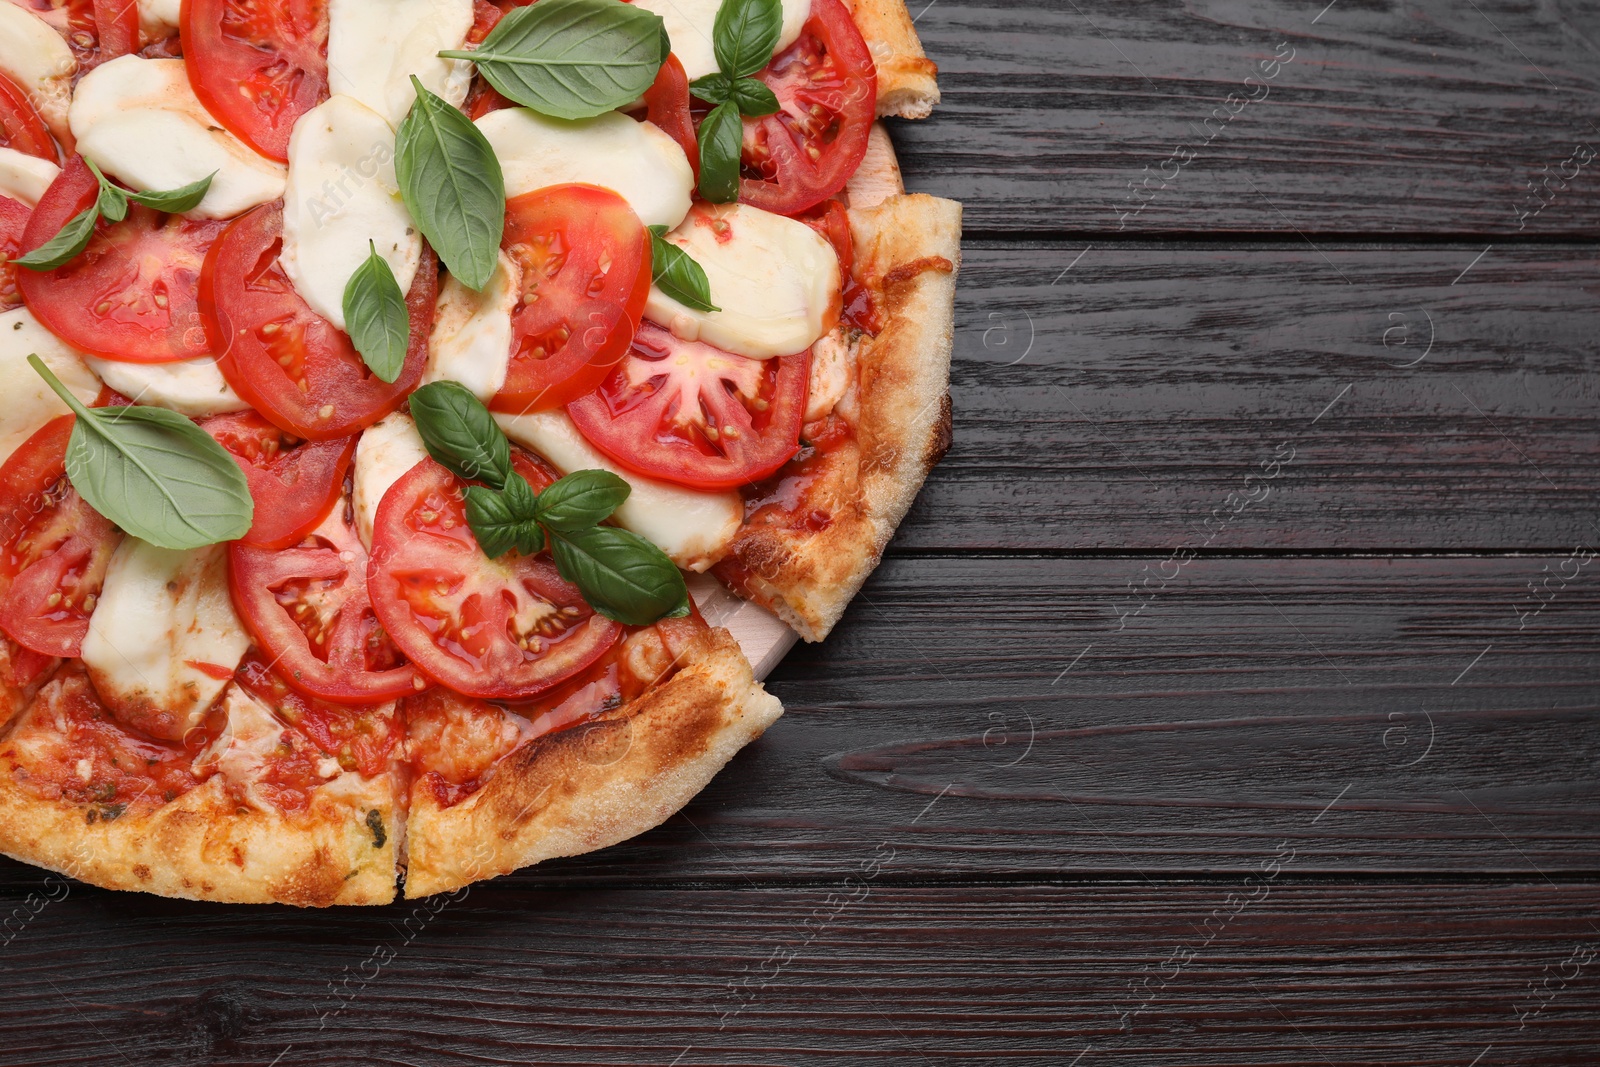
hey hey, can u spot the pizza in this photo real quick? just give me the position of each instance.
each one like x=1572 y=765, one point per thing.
x=399 y=395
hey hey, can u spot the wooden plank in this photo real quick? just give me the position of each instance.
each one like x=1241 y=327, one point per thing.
x=1099 y=116
x=1271 y=972
x=1115 y=397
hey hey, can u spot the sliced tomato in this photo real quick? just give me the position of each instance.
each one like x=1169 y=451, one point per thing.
x=54 y=548
x=116 y=24
x=257 y=65
x=21 y=128
x=667 y=105
x=289 y=363
x=694 y=414
x=95 y=30
x=496 y=629
x=133 y=293
x=13 y=224
x=308 y=608
x=361 y=738
x=294 y=485
x=827 y=89
x=585 y=263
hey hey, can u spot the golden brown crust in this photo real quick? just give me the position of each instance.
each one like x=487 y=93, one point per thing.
x=908 y=251
x=598 y=784
x=908 y=81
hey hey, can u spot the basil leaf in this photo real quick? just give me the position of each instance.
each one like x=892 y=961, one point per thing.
x=176 y=201
x=581 y=499
x=154 y=473
x=460 y=433
x=721 y=136
x=451 y=183
x=505 y=520
x=754 y=98
x=677 y=274
x=572 y=59
x=375 y=315
x=744 y=35
x=621 y=575
x=713 y=88
x=61 y=249
x=112 y=201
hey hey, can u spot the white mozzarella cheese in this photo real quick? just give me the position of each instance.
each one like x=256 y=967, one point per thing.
x=387 y=450
x=375 y=46
x=776 y=281
x=636 y=160
x=29 y=402
x=24 y=177
x=471 y=339
x=140 y=121
x=35 y=57
x=692 y=527
x=192 y=387
x=343 y=193
x=160 y=614
x=833 y=371
x=690 y=22
x=159 y=18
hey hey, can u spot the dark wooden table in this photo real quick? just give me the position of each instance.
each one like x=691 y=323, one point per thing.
x=1230 y=696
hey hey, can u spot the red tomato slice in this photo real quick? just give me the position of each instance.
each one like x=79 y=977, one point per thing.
x=585 y=260
x=496 y=629
x=307 y=607
x=293 y=486
x=360 y=738
x=116 y=24
x=13 y=224
x=827 y=89
x=21 y=128
x=289 y=363
x=257 y=65
x=95 y=30
x=54 y=548
x=132 y=294
x=694 y=414
x=667 y=105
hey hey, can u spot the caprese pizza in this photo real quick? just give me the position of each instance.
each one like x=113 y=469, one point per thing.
x=396 y=394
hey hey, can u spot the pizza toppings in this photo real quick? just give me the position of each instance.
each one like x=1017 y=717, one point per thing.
x=692 y=23
x=24 y=178
x=37 y=60
x=29 y=401
x=192 y=387
x=375 y=47
x=293 y=484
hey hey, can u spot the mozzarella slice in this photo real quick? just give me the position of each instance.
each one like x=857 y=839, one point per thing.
x=29 y=403
x=37 y=58
x=690 y=22
x=374 y=46
x=636 y=160
x=24 y=177
x=471 y=339
x=833 y=372
x=342 y=194
x=141 y=122
x=164 y=634
x=692 y=527
x=775 y=279
x=387 y=450
x=159 y=18
x=192 y=387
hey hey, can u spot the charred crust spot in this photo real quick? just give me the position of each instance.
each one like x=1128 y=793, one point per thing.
x=943 y=432
x=141 y=872
x=907 y=272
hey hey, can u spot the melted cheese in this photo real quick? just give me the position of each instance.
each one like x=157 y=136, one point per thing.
x=35 y=57
x=694 y=528
x=775 y=280
x=471 y=339
x=159 y=18
x=343 y=193
x=165 y=629
x=833 y=371
x=690 y=22
x=24 y=177
x=386 y=451
x=374 y=46
x=636 y=160
x=29 y=403
x=240 y=753
x=192 y=387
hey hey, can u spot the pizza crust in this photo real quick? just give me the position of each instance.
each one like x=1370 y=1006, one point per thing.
x=599 y=783
x=908 y=81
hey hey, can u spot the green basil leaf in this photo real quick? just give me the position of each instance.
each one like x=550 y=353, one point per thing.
x=754 y=98
x=112 y=201
x=376 y=317
x=581 y=499
x=154 y=473
x=677 y=274
x=460 y=433
x=451 y=183
x=744 y=35
x=621 y=575
x=177 y=201
x=505 y=520
x=65 y=246
x=713 y=88
x=721 y=136
x=572 y=59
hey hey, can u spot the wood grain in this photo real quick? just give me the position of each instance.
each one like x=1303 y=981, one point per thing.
x=1417 y=116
